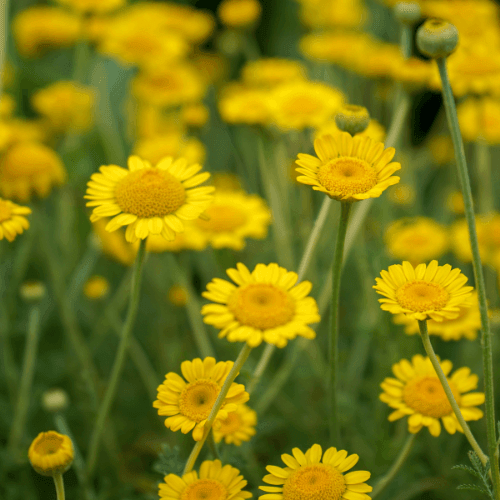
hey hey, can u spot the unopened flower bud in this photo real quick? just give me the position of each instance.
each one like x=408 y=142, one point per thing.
x=407 y=12
x=54 y=400
x=437 y=38
x=32 y=291
x=352 y=119
x=51 y=453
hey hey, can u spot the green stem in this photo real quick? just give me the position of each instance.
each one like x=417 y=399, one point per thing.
x=483 y=164
x=333 y=355
x=213 y=445
x=238 y=364
x=24 y=396
x=424 y=334
x=398 y=463
x=59 y=482
x=486 y=341
x=4 y=27
x=121 y=355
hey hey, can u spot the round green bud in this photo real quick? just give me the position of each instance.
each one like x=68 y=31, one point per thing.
x=437 y=38
x=353 y=119
x=407 y=12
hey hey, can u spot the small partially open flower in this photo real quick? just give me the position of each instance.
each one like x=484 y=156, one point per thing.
x=437 y=38
x=51 y=453
x=353 y=119
x=96 y=287
x=407 y=12
x=32 y=291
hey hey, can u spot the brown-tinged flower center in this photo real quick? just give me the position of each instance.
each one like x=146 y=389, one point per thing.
x=222 y=219
x=48 y=444
x=149 y=193
x=205 y=489
x=314 y=482
x=420 y=296
x=197 y=399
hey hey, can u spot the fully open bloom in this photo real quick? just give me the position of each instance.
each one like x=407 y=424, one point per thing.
x=239 y=426
x=425 y=292
x=149 y=200
x=315 y=475
x=239 y=13
x=12 y=220
x=348 y=168
x=264 y=305
x=188 y=404
x=213 y=482
x=51 y=453
x=417 y=393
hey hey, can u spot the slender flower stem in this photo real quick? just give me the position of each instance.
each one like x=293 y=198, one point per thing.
x=486 y=340
x=121 y=355
x=212 y=445
x=483 y=165
x=59 y=482
x=424 y=334
x=4 y=16
x=24 y=397
x=333 y=354
x=238 y=364
x=398 y=463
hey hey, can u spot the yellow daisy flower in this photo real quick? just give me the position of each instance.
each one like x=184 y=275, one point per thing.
x=12 y=220
x=93 y=6
x=51 y=453
x=416 y=239
x=272 y=71
x=417 y=393
x=149 y=200
x=96 y=287
x=264 y=305
x=239 y=13
x=425 y=292
x=466 y=325
x=316 y=475
x=239 y=426
x=188 y=404
x=479 y=119
x=234 y=216
x=348 y=168
x=239 y=104
x=213 y=482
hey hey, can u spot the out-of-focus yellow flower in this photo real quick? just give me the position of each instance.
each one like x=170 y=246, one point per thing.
x=7 y=74
x=96 y=287
x=378 y=61
x=239 y=426
x=7 y=106
x=41 y=27
x=239 y=13
x=224 y=181
x=416 y=239
x=455 y=202
x=114 y=244
x=195 y=115
x=402 y=194
x=30 y=167
x=479 y=119
x=32 y=291
x=212 y=67
x=332 y=14
x=303 y=104
x=441 y=148
x=51 y=453
x=413 y=72
x=178 y=295
x=93 y=6
x=271 y=72
x=171 y=85
x=374 y=130
x=12 y=220
x=239 y=104
x=191 y=239
x=66 y=105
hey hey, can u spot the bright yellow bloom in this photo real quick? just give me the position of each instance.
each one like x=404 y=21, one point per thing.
x=336 y=14
x=213 y=482
x=479 y=119
x=96 y=287
x=66 y=105
x=349 y=168
x=425 y=292
x=417 y=393
x=272 y=71
x=7 y=106
x=178 y=295
x=30 y=167
x=191 y=239
x=239 y=426
x=239 y=104
x=301 y=104
x=315 y=475
x=51 y=453
x=188 y=404
x=42 y=27
x=239 y=13
x=416 y=239
x=466 y=325
x=265 y=305
x=12 y=220
x=149 y=200
x=195 y=115
x=374 y=130
x=234 y=216
x=93 y=6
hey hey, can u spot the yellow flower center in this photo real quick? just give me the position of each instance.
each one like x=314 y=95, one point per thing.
x=261 y=306
x=223 y=219
x=231 y=424
x=314 y=482
x=197 y=399
x=205 y=489
x=420 y=296
x=149 y=193
x=5 y=211
x=426 y=396
x=49 y=444
x=347 y=176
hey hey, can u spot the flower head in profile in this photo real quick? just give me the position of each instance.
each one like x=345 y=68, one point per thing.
x=187 y=402
x=51 y=453
x=348 y=168
x=12 y=219
x=417 y=393
x=149 y=200
x=425 y=292
x=239 y=426
x=316 y=475
x=262 y=305
x=213 y=482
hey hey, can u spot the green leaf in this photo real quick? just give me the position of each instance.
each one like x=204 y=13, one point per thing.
x=169 y=461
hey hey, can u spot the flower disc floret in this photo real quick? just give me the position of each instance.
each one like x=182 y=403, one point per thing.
x=425 y=292
x=264 y=306
x=315 y=475
x=51 y=453
x=348 y=168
